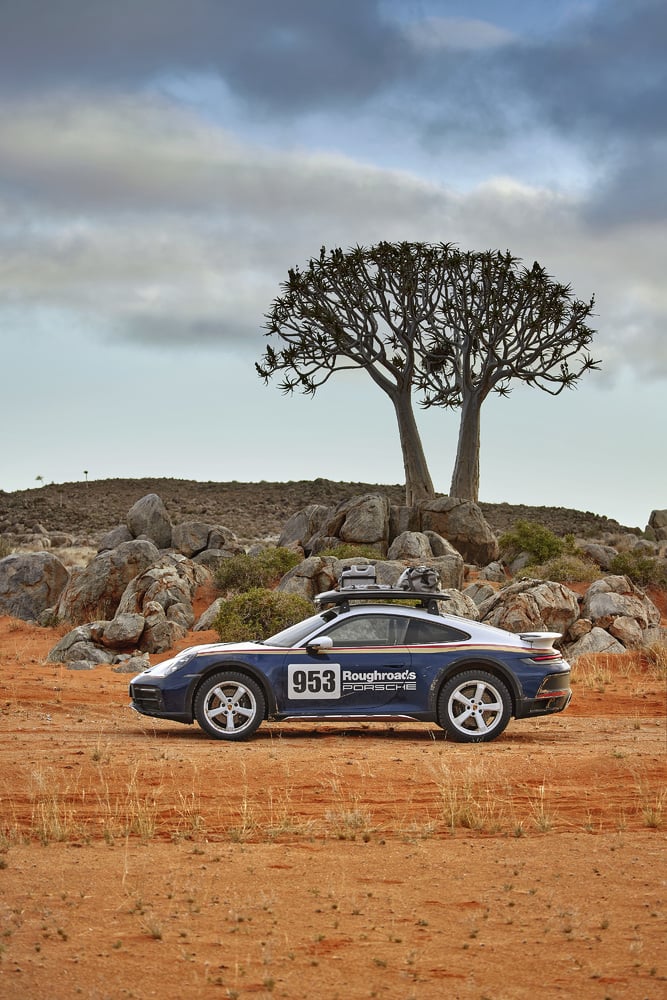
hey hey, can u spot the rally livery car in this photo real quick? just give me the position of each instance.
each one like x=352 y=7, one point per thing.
x=364 y=656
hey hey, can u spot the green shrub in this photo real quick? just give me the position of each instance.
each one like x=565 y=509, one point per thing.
x=244 y=572
x=642 y=569
x=350 y=551
x=565 y=568
x=259 y=613
x=538 y=541
x=5 y=548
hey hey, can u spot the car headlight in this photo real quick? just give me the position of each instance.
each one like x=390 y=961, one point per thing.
x=175 y=663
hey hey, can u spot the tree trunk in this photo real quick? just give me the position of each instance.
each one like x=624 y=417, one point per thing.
x=418 y=482
x=465 y=478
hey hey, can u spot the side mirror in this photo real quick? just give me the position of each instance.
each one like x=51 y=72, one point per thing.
x=320 y=644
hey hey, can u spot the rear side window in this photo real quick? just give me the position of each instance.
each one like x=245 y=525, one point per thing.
x=424 y=633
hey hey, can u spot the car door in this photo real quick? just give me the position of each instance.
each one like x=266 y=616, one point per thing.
x=367 y=671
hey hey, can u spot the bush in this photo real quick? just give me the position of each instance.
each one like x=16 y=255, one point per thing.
x=5 y=548
x=350 y=551
x=259 y=613
x=243 y=572
x=642 y=569
x=538 y=541
x=565 y=568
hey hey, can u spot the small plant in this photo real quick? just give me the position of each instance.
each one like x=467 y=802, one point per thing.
x=243 y=572
x=564 y=568
x=538 y=541
x=5 y=548
x=349 y=551
x=642 y=569
x=259 y=613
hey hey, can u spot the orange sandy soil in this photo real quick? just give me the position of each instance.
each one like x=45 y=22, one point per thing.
x=140 y=859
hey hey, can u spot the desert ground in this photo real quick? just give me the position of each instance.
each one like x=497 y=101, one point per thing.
x=140 y=859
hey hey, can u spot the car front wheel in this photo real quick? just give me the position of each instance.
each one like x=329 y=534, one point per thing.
x=229 y=706
x=474 y=707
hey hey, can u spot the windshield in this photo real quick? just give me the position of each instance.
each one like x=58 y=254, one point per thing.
x=295 y=633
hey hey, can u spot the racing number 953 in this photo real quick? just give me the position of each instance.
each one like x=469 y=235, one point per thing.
x=313 y=682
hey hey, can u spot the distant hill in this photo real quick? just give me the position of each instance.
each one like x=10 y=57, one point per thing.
x=251 y=510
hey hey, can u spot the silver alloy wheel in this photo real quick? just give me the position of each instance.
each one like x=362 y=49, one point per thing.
x=230 y=706
x=475 y=707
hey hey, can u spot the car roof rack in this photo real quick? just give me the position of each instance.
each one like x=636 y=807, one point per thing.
x=428 y=600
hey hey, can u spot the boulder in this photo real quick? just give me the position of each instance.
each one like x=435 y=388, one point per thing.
x=657 y=522
x=171 y=580
x=310 y=577
x=595 y=641
x=123 y=632
x=462 y=523
x=439 y=545
x=577 y=629
x=30 y=583
x=300 y=527
x=532 y=605
x=614 y=597
x=115 y=537
x=459 y=604
x=224 y=539
x=479 y=592
x=411 y=545
x=627 y=631
x=148 y=518
x=602 y=555
x=159 y=634
x=450 y=568
x=190 y=537
x=206 y=620
x=96 y=590
x=493 y=572
x=78 y=645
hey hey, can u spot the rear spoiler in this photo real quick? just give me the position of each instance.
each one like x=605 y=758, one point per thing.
x=540 y=640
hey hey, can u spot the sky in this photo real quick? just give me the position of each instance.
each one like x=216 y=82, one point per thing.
x=163 y=163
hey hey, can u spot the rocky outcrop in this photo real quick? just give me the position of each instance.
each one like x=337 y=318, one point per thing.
x=615 y=597
x=462 y=523
x=657 y=525
x=95 y=592
x=531 y=605
x=148 y=518
x=30 y=583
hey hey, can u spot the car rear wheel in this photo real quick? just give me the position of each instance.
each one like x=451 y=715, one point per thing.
x=229 y=706
x=474 y=707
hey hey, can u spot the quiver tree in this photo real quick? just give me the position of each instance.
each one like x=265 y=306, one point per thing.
x=364 y=308
x=499 y=322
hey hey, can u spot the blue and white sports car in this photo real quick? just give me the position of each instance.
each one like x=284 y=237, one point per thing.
x=364 y=657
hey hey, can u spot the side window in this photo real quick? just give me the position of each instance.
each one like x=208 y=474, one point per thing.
x=370 y=630
x=424 y=633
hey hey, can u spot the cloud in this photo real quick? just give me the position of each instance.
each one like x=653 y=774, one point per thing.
x=456 y=33
x=291 y=55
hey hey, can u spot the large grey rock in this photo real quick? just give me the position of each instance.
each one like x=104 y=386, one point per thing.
x=598 y=553
x=410 y=545
x=159 y=634
x=595 y=641
x=30 y=583
x=170 y=580
x=462 y=523
x=300 y=527
x=310 y=577
x=96 y=590
x=532 y=605
x=627 y=631
x=439 y=545
x=115 y=537
x=614 y=597
x=460 y=604
x=225 y=540
x=205 y=621
x=78 y=645
x=658 y=524
x=123 y=632
x=190 y=537
x=148 y=518
x=451 y=569
x=479 y=592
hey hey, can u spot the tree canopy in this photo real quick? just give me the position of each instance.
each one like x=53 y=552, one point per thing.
x=500 y=322
x=428 y=319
